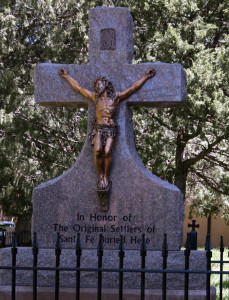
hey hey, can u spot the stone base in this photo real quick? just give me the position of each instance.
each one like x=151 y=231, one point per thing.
x=89 y=259
x=25 y=293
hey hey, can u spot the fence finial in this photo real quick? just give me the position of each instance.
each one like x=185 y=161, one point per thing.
x=100 y=243
x=78 y=242
x=35 y=243
x=187 y=244
x=121 y=244
x=14 y=241
x=143 y=245
x=58 y=243
x=165 y=244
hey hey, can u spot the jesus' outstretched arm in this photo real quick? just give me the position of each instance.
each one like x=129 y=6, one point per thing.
x=136 y=85
x=76 y=86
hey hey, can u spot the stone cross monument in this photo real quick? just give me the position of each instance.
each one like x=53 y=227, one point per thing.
x=139 y=201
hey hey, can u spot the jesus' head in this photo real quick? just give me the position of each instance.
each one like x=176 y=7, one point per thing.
x=101 y=84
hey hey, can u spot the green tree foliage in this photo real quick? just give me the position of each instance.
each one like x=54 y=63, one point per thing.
x=37 y=144
x=187 y=146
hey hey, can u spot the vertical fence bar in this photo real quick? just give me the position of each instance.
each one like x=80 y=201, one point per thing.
x=121 y=258
x=35 y=254
x=9 y=238
x=143 y=265
x=14 y=255
x=208 y=256
x=100 y=262
x=78 y=256
x=187 y=254
x=57 y=275
x=3 y=235
x=165 y=256
x=221 y=269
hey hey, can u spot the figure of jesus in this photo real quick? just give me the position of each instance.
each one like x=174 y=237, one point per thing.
x=103 y=134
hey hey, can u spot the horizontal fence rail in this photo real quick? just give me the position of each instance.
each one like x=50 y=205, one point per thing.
x=120 y=270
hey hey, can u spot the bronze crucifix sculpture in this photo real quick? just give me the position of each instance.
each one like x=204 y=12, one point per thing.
x=105 y=128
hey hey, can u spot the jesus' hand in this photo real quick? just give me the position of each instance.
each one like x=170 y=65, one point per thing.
x=62 y=73
x=150 y=73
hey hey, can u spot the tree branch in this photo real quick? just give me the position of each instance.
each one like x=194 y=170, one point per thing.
x=209 y=181
x=191 y=161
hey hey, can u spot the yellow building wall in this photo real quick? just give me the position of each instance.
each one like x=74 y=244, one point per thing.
x=218 y=228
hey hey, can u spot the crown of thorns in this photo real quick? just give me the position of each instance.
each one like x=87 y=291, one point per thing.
x=109 y=85
x=101 y=79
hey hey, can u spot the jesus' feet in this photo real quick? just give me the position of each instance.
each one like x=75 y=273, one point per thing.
x=103 y=182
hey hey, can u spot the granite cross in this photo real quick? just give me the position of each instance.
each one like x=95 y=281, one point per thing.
x=110 y=52
x=110 y=55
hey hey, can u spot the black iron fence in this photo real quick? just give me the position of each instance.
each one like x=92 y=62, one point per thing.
x=100 y=270
x=23 y=238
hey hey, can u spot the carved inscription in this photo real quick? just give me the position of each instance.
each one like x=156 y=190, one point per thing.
x=107 y=39
x=91 y=225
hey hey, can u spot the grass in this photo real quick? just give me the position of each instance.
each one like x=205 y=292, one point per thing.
x=215 y=278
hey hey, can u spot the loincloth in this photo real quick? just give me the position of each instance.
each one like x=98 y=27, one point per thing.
x=105 y=130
